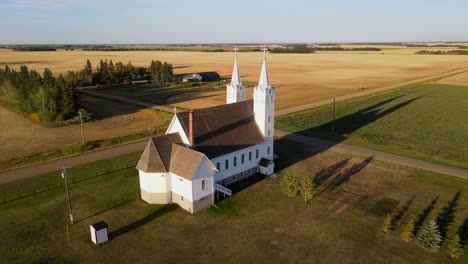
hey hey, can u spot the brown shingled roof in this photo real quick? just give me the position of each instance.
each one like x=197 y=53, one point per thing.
x=157 y=155
x=185 y=161
x=223 y=129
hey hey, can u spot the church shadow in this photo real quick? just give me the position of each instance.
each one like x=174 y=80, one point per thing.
x=143 y=221
x=315 y=140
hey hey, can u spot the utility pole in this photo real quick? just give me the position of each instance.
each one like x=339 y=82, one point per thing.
x=64 y=176
x=82 y=131
x=333 y=122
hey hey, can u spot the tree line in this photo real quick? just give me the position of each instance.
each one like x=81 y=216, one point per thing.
x=53 y=99
x=108 y=73
x=46 y=97
x=305 y=49
x=439 y=52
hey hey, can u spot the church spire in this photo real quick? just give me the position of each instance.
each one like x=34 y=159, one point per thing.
x=264 y=81
x=235 y=91
x=236 y=78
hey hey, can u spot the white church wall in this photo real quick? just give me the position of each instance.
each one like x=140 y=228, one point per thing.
x=153 y=182
x=241 y=167
x=205 y=172
x=176 y=126
x=181 y=186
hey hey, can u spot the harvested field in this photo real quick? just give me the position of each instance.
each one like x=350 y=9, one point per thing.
x=112 y=119
x=299 y=78
x=459 y=79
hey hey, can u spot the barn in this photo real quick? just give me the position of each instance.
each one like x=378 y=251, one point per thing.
x=203 y=77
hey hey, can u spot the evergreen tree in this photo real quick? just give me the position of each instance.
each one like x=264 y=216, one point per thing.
x=111 y=75
x=454 y=247
x=307 y=187
x=88 y=73
x=430 y=237
x=386 y=224
x=408 y=232
x=289 y=185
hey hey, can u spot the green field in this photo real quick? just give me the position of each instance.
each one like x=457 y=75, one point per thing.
x=258 y=224
x=427 y=122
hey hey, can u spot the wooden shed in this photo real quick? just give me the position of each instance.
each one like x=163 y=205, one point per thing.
x=99 y=232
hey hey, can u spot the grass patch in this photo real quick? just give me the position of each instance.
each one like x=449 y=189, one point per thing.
x=76 y=149
x=257 y=224
x=423 y=122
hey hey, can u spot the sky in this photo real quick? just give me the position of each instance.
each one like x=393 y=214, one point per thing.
x=234 y=21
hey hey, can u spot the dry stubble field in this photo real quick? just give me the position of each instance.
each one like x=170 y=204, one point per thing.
x=20 y=136
x=299 y=78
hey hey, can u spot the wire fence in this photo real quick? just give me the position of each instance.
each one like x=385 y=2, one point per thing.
x=71 y=180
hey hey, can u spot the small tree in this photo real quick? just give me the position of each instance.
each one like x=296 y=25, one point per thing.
x=307 y=186
x=408 y=232
x=454 y=247
x=387 y=224
x=430 y=238
x=289 y=185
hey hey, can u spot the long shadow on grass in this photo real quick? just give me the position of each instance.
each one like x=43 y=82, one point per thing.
x=130 y=227
x=344 y=126
x=108 y=209
x=447 y=215
x=423 y=216
x=463 y=232
x=403 y=212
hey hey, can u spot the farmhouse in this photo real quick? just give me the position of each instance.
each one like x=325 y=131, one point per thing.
x=203 y=76
x=206 y=150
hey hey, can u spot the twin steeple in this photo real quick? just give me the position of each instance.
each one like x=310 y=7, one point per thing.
x=264 y=81
x=236 y=89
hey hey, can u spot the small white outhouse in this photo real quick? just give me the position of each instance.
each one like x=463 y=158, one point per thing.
x=99 y=232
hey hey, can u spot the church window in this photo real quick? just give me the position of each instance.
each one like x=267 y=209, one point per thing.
x=203 y=185
x=226 y=165
x=268 y=132
x=256 y=154
x=269 y=119
x=242 y=158
x=268 y=150
x=181 y=198
x=250 y=155
x=235 y=161
x=218 y=166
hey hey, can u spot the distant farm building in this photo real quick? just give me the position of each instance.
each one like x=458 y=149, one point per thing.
x=141 y=79
x=203 y=77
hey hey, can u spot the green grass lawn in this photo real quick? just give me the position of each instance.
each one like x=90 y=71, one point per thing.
x=258 y=224
x=427 y=122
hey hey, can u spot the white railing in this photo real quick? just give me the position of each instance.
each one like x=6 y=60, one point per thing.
x=223 y=189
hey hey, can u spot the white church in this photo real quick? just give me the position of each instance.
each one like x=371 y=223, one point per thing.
x=206 y=150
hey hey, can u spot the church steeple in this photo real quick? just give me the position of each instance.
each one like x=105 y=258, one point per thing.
x=264 y=102
x=235 y=91
x=264 y=81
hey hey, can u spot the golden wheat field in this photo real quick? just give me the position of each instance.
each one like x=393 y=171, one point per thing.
x=459 y=79
x=299 y=78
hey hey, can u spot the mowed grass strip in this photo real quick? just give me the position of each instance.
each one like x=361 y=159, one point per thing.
x=426 y=122
x=258 y=224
